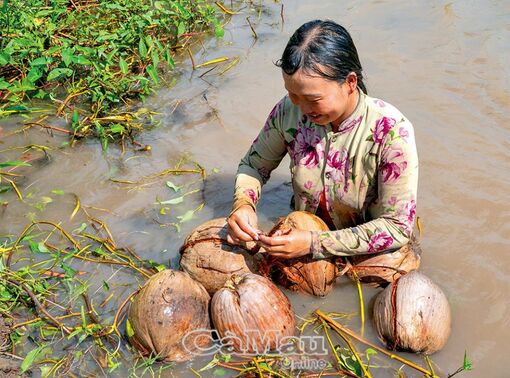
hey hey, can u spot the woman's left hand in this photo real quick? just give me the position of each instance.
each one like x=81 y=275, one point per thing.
x=296 y=243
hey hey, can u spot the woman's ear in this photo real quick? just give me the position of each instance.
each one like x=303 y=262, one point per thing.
x=352 y=82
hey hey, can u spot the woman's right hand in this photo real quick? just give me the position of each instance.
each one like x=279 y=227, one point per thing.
x=242 y=225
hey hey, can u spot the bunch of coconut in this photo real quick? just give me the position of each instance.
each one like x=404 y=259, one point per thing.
x=209 y=259
x=413 y=314
x=381 y=269
x=303 y=274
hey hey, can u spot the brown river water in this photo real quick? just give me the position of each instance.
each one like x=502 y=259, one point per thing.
x=444 y=64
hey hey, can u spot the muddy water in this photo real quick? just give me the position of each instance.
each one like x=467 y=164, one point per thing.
x=443 y=64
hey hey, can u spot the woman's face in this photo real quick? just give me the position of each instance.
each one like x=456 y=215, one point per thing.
x=323 y=101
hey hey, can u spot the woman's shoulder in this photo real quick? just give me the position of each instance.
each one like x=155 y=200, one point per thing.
x=377 y=109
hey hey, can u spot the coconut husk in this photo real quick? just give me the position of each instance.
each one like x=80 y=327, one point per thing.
x=413 y=314
x=303 y=274
x=209 y=259
x=168 y=308
x=381 y=269
x=252 y=314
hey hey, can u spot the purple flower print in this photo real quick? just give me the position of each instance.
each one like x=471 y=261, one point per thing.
x=252 y=195
x=308 y=185
x=407 y=214
x=392 y=201
x=379 y=242
x=337 y=165
x=382 y=127
x=306 y=148
x=380 y=103
x=350 y=125
x=403 y=132
x=393 y=163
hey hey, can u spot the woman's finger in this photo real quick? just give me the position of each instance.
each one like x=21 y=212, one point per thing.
x=238 y=232
x=271 y=241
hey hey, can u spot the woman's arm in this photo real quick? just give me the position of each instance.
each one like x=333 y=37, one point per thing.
x=264 y=155
x=394 y=211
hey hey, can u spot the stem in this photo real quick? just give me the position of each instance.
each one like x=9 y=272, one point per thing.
x=341 y=329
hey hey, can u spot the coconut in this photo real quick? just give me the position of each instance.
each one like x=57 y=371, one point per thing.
x=381 y=269
x=170 y=306
x=303 y=274
x=208 y=258
x=252 y=314
x=413 y=314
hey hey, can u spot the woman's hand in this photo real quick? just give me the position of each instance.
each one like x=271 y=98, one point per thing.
x=242 y=225
x=293 y=244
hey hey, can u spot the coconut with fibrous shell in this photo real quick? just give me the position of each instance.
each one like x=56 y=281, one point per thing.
x=379 y=270
x=413 y=314
x=208 y=258
x=303 y=274
x=252 y=314
x=168 y=307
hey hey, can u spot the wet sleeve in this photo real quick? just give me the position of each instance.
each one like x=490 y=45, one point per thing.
x=394 y=211
x=264 y=155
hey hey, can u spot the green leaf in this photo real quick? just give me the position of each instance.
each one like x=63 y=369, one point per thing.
x=152 y=73
x=130 y=332
x=117 y=129
x=67 y=56
x=58 y=192
x=70 y=272
x=106 y=287
x=80 y=59
x=467 y=365
x=42 y=248
x=149 y=41
x=172 y=186
x=31 y=357
x=4 y=59
x=369 y=352
x=75 y=121
x=34 y=74
x=187 y=216
x=4 y=84
x=124 y=68
x=142 y=48
x=181 y=28
x=41 y=61
x=168 y=58
x=173 y=201
x=219 y=372
x=14 y=163
x=58 y=73
x=155 y=58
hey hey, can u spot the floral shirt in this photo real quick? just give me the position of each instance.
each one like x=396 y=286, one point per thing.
x=367 y=171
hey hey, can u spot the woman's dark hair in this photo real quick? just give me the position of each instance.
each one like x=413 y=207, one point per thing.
x=325 y=48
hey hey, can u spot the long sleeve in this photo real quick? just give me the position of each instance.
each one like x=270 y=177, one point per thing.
x=391 y=213
x=264 y=155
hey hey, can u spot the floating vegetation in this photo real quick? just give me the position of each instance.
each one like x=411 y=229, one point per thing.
x=93 y=58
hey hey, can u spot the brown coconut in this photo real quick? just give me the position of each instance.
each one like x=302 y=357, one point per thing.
x=302 y=274
x=381 y=269
x=168 y=307
x=252 y=314
x=413 y=314
x=208 y=258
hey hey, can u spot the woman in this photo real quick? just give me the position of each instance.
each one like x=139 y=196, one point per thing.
x=353 y=157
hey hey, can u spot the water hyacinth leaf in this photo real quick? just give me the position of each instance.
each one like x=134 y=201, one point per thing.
x=80 y=59
x=173 y=201
x=124 y=68
x=58 y=73
x=187 y=216
x=142 y=49
x=67 y=55
x=152 y=73
x=172 y=186
x=4 y=59
x=41 y=61
x=34 y=74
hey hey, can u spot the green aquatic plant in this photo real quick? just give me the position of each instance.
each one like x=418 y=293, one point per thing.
x=91 y=57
